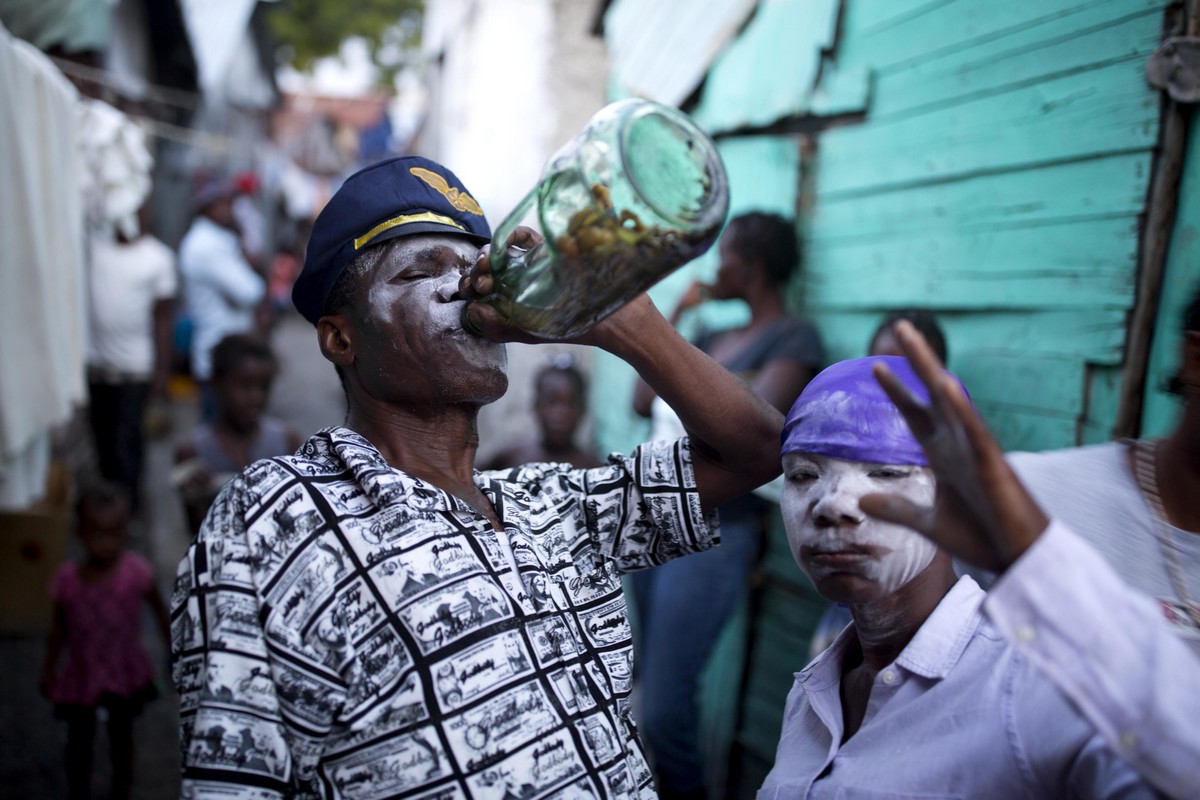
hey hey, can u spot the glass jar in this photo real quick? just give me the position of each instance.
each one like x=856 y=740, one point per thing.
x=638 y=193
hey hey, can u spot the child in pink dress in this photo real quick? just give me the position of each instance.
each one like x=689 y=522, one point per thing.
x=97 y=615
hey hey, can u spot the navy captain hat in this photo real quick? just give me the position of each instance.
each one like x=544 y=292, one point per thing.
x=397 y=197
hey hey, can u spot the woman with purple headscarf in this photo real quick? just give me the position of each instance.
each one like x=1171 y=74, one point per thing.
x=919 y=696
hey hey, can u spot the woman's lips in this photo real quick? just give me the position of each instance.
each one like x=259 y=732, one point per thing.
x=837 y=559
x=840 y=556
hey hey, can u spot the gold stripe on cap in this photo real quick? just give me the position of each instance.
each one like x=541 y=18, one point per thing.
x=403 y=219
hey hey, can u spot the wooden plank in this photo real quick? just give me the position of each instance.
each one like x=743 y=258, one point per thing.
x=1082 y=264
x=842 y=90
x=1024 y=383
x=1103 y=397
x=1099 y=112
x=879 y=35
x=1032 y=55
x=1018 y=430
x=1092 y=335
x=1098 y=187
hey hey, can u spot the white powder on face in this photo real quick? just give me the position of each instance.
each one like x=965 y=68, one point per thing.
x=829 y=489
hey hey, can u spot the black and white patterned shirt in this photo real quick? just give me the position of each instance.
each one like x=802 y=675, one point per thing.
x=342 y=629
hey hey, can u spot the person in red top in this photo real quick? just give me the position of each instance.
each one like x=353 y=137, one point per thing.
x=97 y=617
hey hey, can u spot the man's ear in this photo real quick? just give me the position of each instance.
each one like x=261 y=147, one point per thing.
x=336 y=340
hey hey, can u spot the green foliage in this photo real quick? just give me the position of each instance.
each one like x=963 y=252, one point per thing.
x=307 y=30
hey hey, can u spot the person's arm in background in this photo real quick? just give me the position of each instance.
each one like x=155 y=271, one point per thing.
x=236 y=279
x=1104 y=645
x=784 y=374
x=733 y=433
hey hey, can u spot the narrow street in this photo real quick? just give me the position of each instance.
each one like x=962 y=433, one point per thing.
x=307 y=395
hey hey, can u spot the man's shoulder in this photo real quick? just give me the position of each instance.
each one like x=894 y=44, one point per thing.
x=292 y=468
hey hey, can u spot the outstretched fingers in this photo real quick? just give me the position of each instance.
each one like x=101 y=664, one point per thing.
x=916 y=413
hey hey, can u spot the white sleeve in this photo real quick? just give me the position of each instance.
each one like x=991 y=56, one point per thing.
x=1108 y=649
x=237 y=281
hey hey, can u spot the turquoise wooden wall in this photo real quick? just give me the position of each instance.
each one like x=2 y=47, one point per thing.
x=998 y=179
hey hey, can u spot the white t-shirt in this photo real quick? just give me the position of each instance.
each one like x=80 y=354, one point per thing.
x=125 y=282
x=1092 y=490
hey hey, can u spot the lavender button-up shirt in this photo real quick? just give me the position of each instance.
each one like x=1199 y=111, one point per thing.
x=1109 y=649
x=960 y=713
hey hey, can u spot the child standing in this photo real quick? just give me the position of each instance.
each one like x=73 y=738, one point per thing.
x=243 y=368
x=560 y=403
x=97 y=615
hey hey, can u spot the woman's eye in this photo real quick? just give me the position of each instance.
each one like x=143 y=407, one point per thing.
x=801 y=476
x=888 y=473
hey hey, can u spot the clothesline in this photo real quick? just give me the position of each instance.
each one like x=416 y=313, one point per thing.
x=180 y=98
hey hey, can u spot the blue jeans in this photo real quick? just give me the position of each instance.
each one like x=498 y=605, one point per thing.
x=682 y=607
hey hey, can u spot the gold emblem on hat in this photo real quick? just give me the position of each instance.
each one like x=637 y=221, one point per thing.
x=460 y=200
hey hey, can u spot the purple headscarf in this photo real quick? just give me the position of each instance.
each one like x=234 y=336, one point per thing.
x=844 y=413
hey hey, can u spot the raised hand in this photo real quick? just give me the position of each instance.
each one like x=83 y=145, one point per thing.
x=981 y=514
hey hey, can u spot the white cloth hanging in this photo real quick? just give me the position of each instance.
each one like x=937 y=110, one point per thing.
x=42 y=290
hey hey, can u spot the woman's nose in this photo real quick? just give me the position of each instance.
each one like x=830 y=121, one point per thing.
x=836 y=507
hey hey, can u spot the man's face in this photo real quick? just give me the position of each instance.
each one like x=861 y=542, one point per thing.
x=733 y=271
x=411 y=348
x=850 y=557
x=220 y=211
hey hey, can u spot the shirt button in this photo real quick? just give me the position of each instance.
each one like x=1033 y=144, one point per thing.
x=1129 y=741
x=889 y=677
x=1025 y=634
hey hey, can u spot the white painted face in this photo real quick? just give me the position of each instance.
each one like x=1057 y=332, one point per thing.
x=849 y=556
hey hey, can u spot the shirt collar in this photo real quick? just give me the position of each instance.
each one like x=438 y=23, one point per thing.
x=934 y=649
x=939 y=643
x=382 y=483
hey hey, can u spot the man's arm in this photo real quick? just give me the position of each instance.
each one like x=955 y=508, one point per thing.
x=1103 y=645
x=734 y=433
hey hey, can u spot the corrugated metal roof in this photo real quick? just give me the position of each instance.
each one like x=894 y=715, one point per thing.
x=661 y=49
x=769 y=71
